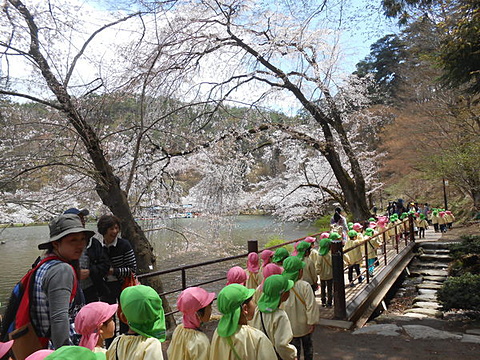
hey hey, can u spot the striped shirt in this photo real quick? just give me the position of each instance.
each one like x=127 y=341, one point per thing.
x=122 y=259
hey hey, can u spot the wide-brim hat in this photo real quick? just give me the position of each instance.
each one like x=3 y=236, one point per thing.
x=63 y=225
x=143 y=309
x=229 y=302
x=5 y=347
x=273 y=288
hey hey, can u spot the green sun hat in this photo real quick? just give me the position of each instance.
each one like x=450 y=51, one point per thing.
x=143 y=309
x=324 y=246
x=302 y=248
x=229 y=302
x=369 y=232
x=280 y=254
x=352 y=233
x=75 y=353
x=291 y=266
x=350 y=226
x=273 y=288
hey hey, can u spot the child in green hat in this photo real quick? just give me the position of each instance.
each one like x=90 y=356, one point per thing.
x=309 y=273
x=372 y=245
x=324 y=268
x=274 y=321
x=353 y=257
x=141 y=309
x=234 y=339
x=75 y=353
x=280 y=254
x=301 y=307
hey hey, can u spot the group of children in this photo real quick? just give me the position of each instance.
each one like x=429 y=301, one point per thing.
x=268 y=311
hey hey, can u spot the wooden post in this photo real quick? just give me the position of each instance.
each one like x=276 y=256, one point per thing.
x=412 y=234
x=252 y=246
x=340 y=307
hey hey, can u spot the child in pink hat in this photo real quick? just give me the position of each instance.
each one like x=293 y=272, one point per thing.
x=188 y=341
x=5 y=347
x=39 y=355
x=95 y=323
x=268 y=270
x=253 y=266
x=236 y=275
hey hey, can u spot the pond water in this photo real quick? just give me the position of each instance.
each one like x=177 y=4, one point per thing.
x=176 y=242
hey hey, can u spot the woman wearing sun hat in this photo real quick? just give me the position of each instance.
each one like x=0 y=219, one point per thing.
x=54 y=293
x=272 y=320
x=234 y=339
x=188 y=341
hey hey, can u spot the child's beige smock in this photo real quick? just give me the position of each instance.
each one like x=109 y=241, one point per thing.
x=249 y=343
x=135 y=347
x=301 y=308
x=188 y=344
x=278 y=330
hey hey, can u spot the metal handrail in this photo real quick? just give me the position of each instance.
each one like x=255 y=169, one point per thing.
x=205 y=263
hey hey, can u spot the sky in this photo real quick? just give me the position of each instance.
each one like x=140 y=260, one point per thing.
x=362 y=23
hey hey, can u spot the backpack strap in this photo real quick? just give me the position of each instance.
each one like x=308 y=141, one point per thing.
x=23 y=313
x=235 y=352
x=299 y=297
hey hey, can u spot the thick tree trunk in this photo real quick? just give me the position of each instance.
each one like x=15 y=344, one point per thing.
x=476 y=200
x=108 y=185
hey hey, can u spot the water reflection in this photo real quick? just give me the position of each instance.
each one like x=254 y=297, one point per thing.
x=176 y=242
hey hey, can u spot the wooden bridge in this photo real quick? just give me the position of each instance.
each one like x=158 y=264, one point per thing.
x=352 y=306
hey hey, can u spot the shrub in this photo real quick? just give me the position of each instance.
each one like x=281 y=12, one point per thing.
x=275 y=242
x=323 y=223
x=469 y=245
x=461 y=292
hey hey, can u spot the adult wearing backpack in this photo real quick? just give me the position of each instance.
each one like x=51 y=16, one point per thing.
x=56 y=281
x=49 y=295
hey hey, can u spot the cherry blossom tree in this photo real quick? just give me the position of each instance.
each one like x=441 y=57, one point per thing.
x=282 y=54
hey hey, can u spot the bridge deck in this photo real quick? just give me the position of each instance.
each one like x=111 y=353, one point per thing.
x=352 y=293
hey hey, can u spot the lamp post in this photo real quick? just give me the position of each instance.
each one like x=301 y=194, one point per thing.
x=445 y=184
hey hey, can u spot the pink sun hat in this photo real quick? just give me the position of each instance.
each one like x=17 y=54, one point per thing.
x=236 y=275
x=39 y=355
x=357 y=227
x=190 y=301
x=295 y=252
x=269 y=270
x=266 y=256
x=90 y=319
x=324 y=235
x=252 y=262
x=5 y=347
